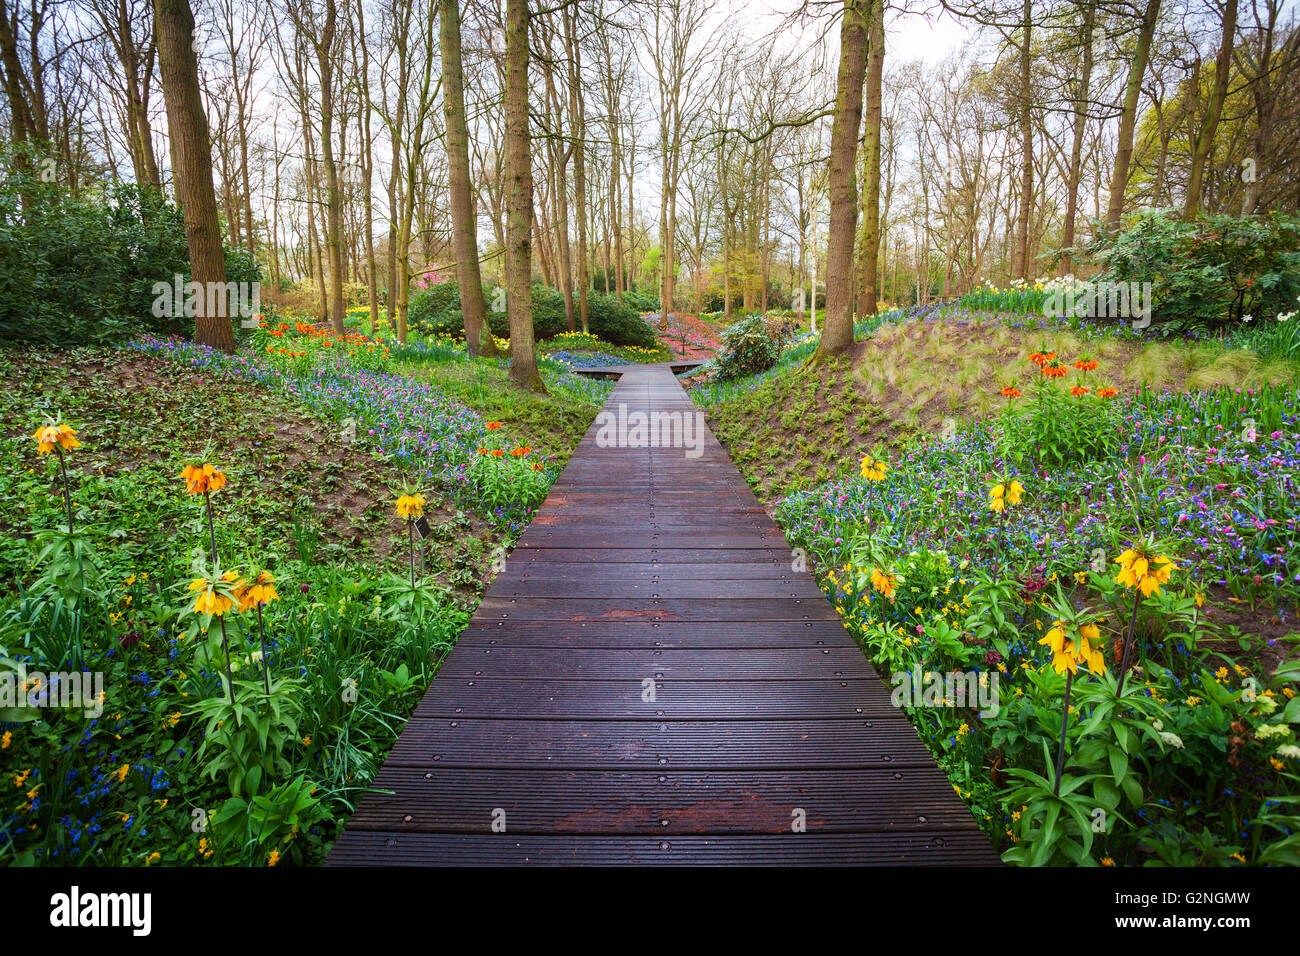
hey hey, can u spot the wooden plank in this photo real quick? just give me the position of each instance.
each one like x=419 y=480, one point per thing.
x=946 y=848
x=527 y=663
x=478 y=695
x=674 y=634
x=877 y=740
x=655 y=678
x=452 y=800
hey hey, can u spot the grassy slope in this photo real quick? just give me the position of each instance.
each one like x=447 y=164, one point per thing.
x=800 y=427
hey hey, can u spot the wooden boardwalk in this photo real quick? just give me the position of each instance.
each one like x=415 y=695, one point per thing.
x=650 y=681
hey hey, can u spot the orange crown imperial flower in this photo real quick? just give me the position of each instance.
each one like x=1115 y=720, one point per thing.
x=1010 y=391
x=1080 y=390
x=1085 y=364
x=882 y=582
x=48 y=436
x=1107 y=392
x=201 y=478
x=493 y=426
x=1054 y=369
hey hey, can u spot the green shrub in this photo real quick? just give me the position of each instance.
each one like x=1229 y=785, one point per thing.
x=747 y=349
x=436 y=311
x=1210 y=271
x=81 y=268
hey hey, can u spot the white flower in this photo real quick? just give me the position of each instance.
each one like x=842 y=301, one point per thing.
x=1272 y=730
x=1286 y=316
x=1172 y=740
x=1289 y=750
x=1247 y=317
x=1158 y=724
x=1266 y=704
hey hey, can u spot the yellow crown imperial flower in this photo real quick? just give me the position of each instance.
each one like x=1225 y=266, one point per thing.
x=1068 y=653
x=1144 y=570
x=873 y=470
x=49 y=436
x=1014 y=491
x=208 y=601
x=996 y=499
x=410 y=506
x=261 y=591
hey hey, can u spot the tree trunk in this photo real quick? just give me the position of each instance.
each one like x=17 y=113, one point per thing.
x=333 y=191
x=1020 y=254
x=478 y=336
x=1128 y=115
x=1205 y=134
x=578 y=130
x=192 y=165
x=519 y=175
x=837 y=334
x=869 y=252
x=1075 y=172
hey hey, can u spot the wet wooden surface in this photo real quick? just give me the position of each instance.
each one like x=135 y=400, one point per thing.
x=651 y=680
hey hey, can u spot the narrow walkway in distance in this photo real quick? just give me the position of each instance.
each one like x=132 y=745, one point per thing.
x=650 y=681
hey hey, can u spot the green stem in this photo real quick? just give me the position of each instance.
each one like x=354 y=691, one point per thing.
x=225 y=646
x=1065 y=723
x=261 y=636
x=1128 y=643
x=67 y=495
x=410 y=532
x=212 y=531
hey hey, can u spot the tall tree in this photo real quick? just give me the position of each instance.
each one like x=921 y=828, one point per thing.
x=1128 y=113
x=1079 y=122
x=191 y=153
x=1210 y=122
x=478 y=337
x=837 y=335
x=519 y=202
x=869 y=250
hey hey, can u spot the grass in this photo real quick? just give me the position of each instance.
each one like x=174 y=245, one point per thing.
x=553 y=423
x=907 y=379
